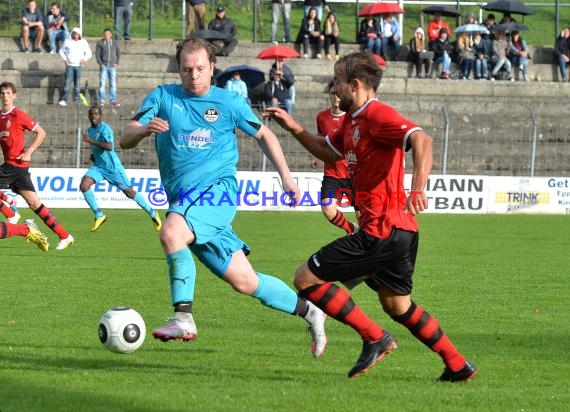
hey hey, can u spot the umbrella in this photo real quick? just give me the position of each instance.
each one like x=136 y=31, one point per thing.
x=252 y=76
x=209 y=35
x=444 y=11
x=510 y=27
x=508 y=6
x=373 y=9
x=381 y=62
x=278 y=53
x=472 y=28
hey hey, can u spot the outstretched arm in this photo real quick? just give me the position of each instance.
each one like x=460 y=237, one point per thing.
x=422 y=155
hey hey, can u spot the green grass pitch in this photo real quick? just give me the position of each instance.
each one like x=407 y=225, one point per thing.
x=498 y=284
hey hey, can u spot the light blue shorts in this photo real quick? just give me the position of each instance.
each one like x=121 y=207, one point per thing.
x=117 y=177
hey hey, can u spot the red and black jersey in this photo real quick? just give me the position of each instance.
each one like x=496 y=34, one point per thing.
x=327 y=122
x=13 y=125
x=373 y=140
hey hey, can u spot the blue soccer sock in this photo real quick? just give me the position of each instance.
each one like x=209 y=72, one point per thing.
x=182 y=274
x=275 y=294
x=144 y=204
x=90 y=199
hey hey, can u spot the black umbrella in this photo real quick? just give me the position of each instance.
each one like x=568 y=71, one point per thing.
x=444 y=11
x=508 y=6
x=510 y=27
x=252 y=76
x=209 y=35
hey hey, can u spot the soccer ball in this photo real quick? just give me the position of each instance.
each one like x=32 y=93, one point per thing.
x=122 y=330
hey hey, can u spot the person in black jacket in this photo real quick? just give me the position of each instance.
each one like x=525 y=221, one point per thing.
x=224 y=25
x=562 y=52
x=277 y=94
x=310 y=35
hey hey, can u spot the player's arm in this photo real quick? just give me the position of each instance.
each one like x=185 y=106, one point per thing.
x=135 y=131
x=102 y=145
x=272 y=149
x=315 y=144
x=39 y=137
x=422 y=155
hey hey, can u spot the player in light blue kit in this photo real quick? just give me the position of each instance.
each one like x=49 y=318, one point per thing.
x=197 y=154
x=107 y=166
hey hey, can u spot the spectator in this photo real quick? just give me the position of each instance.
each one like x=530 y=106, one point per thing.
x=499 y=59
x=123 y=12
x=562 y=52
x=237 y=85
x=490 y=24
x=507 y=18
x=108 y=54
x=74 y=51
x=442 y=51
x=331 y=32
x=470 y=18
x=317 y=5
x=465 y=54
x=224 y=25
x=195 y=10
x=288 y=77
x=55 y=23
x=390 y=35
x=310 y=35
x=418 y=46
x=519 y=56
x=277 y=94
x=32 y=28
x=481 y=49
x=435 y=26
x=369 y=35
x=283 y=8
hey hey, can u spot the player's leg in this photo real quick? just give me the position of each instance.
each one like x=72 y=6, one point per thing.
x=143 y=204
x=332 y=193
x=28 y=229
x=91 y=177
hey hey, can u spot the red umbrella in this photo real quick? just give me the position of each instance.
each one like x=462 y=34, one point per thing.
x=381 y=62
x=373 y=9
x=277 y=53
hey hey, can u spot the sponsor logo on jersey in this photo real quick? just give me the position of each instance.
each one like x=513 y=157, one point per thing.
x=211 y=115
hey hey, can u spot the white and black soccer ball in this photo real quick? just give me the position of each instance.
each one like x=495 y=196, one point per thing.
x=122 y=330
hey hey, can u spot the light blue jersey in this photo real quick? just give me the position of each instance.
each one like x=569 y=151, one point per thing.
x=104 y=159
x=201 y=146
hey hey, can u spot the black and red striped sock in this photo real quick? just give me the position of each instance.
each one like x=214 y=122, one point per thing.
x=338 y=304
x=6 y=210
x=8 y=230
x=427 y=330
x=341 y=221
x=51 y=221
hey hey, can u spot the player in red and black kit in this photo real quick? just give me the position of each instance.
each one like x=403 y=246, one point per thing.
x=336 y=186
x=14 y=171
x=374 y=138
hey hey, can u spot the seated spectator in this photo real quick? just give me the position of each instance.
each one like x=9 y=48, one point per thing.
x=55 y=23
x=237 y=85
x=310 y=35
x=224 y=25
x=435 y=26
x=562 y=52
x=481 y=49
x=287 y=78
x=418 y=47
x=499 y=59
x=519 y=56
x=369 y=35
x=277 y=94
x=470 y=18
x=507 y=18
x=32 y=28
x=317 y=5
x=490 y=24
x=464 y=54
x=390 y=35
x=442 y=51
x=331 y=32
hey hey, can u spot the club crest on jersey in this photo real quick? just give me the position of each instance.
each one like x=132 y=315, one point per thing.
x=355 y=137
x=211 y=115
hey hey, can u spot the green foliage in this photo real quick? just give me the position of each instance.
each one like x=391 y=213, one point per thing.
x=498 y=284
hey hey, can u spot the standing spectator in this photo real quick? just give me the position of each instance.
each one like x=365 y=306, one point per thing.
x=369 y=35
x=562 y=52
x=481 y=49
x=470 y=18
x=224 y=25
x=331 y=32
x=55 y=23
x=14 y=172
x=435 y=26
x=418 y=45
x=317 y=5
x=195 y=10
x=123 y=13
x=107 y=166
x=281 y=8
x=310 y=35
x=519 y=56
x=277 y=94
x=390 y=35
x=499 y=59
x=374 y=138
x=442 y=51
x=108 y=54
x=288 y=77
x=32 y=28
x=75 y=51
x=237 y=85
